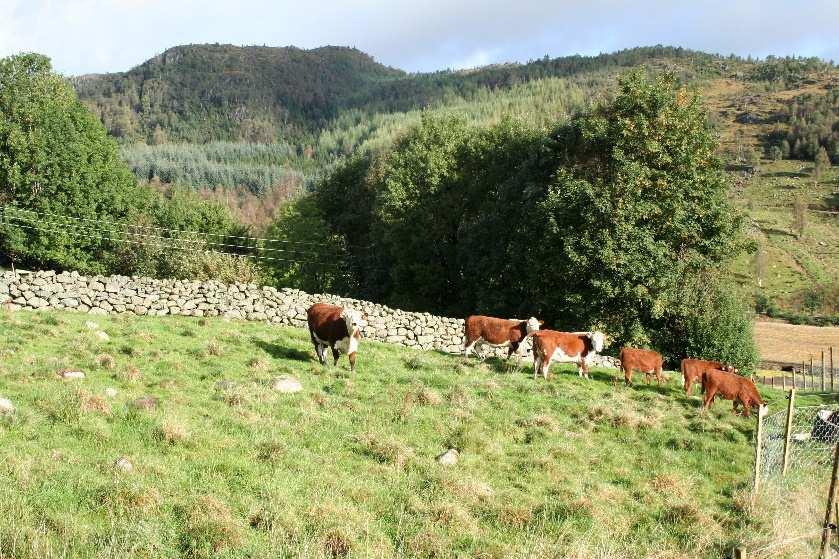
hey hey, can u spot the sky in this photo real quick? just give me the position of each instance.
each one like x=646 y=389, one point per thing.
x=94 y=36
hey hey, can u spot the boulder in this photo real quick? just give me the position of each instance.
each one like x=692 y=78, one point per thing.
x=449 y=458
x=123 y=464
x=286 y=385
x=71 y=375
x=6 y=406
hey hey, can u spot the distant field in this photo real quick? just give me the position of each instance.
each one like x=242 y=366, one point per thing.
x=223 y=466
x=795 y=343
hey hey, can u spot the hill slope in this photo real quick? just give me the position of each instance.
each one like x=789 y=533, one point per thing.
x=224 y=466
x=201 y=93
x=206 y=92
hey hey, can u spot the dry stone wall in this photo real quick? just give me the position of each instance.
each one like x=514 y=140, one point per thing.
x=160 y=297
x=153 y=297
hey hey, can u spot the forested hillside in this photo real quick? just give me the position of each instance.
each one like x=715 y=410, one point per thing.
x=256 y=127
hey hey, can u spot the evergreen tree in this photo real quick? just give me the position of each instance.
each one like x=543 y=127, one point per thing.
x=821 y=163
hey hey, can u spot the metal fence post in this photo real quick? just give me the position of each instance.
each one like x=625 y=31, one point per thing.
x=788 y=430
x=831 y=368
x=811 y=372
x=830 y=498
x=761 y=412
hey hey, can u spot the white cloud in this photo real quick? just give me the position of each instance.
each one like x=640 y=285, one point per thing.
x=109 y=35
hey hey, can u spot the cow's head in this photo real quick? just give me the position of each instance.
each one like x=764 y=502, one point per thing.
x=730 y=369
x=533 y=324
x=353 y=319
x=597 y=340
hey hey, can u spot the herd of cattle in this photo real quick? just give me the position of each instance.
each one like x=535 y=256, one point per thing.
x=340 y=330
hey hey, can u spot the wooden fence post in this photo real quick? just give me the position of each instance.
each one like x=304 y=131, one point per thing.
x=784 y=378
x=831 y=368
x=739 y=553
x=788 y=430
x=761 y=412
x=811 y=373
x=830 y=498
x=822 y=370
x=793 y=377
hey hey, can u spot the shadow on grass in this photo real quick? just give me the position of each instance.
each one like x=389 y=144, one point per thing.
x=281 y=352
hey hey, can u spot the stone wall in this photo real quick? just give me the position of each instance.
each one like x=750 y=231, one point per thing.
x=152 y=297
x=145 y=296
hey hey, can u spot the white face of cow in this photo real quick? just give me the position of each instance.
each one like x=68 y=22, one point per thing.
x=597 y=340
x=532 y=325
x=353 y=320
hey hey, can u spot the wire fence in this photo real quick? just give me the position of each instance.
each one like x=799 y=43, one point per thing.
x=794 y=453
x=817 y=374
x=800 y=445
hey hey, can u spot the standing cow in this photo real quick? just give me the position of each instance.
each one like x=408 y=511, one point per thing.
x=550 y=346
x=498 y=332
x=730 y=386
x=692 y=370
x=644 y=360
x=336 y=327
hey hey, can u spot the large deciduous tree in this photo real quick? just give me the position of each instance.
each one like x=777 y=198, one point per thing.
x=55 y=158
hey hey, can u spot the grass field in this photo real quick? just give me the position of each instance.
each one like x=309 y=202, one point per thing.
x=792 y=343
x=224 y=466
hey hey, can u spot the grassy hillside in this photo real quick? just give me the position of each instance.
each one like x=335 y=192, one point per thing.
x=224 y=466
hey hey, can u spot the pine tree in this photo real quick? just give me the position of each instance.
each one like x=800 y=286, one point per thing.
x=822 y=163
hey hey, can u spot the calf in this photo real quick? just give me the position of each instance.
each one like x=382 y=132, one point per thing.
x=731 y=387
x=565 y=347
x=336 y=327
x=498 y=332
x=692 y=370
x=644 y=360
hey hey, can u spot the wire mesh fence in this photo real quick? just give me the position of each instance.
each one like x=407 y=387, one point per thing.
x=794 y=459
x=806 y=439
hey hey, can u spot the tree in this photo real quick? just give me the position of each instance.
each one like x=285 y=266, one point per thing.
x=56 y=159
x=776 y=153
x=607 y=221
x=822 y=163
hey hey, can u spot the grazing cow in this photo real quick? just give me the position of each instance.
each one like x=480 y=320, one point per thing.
x=692 y=370
x=498 y=332
x=550 y=346
x=731 y=387
x=644 y=360
x=336 y=327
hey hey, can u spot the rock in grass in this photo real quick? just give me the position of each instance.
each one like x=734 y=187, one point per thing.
x=6 y=406
x=225 y=385
x=123 y=464
x=147 y=403
x=111 y=392
x=102 y=336
x=71 y=375
x=91 y=325
x=449 y=458
x=286 y=385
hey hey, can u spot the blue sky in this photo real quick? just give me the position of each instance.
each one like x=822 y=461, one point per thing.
x=85 y=36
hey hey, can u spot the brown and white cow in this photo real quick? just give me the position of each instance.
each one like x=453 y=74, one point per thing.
x=692 y=370
x=498 y=332
x=550 y=346
x=730 y=386
x=644 y=360
x=336 y=327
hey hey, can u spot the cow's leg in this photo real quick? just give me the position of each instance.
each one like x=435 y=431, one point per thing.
x=335 y=354
x=659 y=375
x=627 y=376
x=583 y=372
x=469 y=345
x=546 y=365
x=537 y=365
x=709 y=398
x=351 y=357
x=318 y=351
